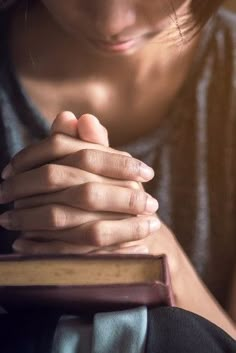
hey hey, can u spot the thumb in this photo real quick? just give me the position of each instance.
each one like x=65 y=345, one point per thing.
x=90 y=130
x=65 y=123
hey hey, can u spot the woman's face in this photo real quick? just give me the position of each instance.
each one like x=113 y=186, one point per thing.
x=117 y=26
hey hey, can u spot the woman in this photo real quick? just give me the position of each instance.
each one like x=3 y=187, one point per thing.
x=150 y=72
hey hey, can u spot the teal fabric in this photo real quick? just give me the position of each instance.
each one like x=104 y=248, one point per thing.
x=119 y=331
x=73 y=335
x=123 y=331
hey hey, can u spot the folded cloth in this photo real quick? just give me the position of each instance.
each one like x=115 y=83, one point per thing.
x=108 y=332
x=120 y=331
x=73 y=335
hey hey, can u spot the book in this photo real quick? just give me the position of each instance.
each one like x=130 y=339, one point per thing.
x=80 y=283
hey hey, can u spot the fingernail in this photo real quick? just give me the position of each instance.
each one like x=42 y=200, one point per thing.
x=7 y=171
x=152 y=205
x=146 y=172
x=5 y=220
x=154 y=225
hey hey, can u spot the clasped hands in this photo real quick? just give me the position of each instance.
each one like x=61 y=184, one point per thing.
x=74 y=194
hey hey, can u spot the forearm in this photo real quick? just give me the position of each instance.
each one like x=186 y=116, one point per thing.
x=191 y=294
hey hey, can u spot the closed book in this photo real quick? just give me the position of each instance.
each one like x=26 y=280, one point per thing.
x=84 y=283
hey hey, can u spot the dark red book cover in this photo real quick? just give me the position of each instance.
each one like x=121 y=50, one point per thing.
x=81 y=298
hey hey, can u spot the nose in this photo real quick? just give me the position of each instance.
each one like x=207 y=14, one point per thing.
x=113 y=18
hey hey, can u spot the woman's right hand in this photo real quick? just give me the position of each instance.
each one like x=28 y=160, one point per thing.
x=69 y=198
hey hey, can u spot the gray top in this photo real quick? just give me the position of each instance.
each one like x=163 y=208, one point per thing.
x=193 y=151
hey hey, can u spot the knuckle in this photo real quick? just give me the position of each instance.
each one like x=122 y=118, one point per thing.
x=99 y=234
x=126 y=164
x=90 y=195
x=85 y=158
x=56 y=217
x=144 y=203
x=133 y=199
x=131 y=166
x=136 y=200
x=51 y=175
x=140 y=230
x=56 y=141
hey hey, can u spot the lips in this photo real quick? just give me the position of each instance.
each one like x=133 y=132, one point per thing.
x=118 y=46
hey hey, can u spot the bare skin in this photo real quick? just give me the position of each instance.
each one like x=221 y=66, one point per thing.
x=94 y=82
x=184 y=278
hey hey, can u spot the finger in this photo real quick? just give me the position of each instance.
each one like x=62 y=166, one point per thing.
x=91 y=130
x=49 y=179
x=29 y=247
x=101 y=233
x=65 y=123
x=62 y=248
x=66 y=197
x=97 y=197
x=108 y=164
x=51 y=217
x=46 y=179
x=54 y=147
x=138 y=249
